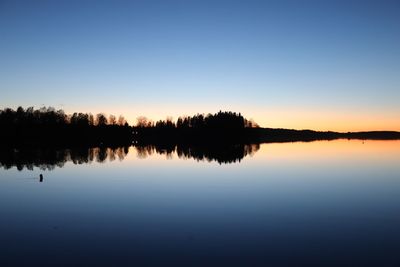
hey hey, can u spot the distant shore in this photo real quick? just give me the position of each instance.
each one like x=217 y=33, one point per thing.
x=289 y=135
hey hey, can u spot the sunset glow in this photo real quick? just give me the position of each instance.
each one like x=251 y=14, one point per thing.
x=323 y=66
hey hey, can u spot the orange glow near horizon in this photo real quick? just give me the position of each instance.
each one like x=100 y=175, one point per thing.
x=345 y=147
x=320 y=119
x=318 y=123
x=319 y=153
x=290 y=118
x=339 y=123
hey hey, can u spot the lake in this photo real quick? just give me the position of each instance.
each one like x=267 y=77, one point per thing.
x=323 y=203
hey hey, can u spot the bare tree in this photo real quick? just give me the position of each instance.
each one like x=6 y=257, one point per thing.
x=121 y=120
x=112 y=120
x=142 y=121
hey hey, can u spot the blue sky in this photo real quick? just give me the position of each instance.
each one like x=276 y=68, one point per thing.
x=295 y=64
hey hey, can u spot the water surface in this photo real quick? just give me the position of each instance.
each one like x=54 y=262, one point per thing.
x=326 y=203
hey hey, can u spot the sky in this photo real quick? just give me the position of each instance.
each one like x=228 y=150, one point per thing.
x=323 y=65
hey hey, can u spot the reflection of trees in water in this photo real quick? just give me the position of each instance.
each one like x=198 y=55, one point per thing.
x=219 y=153
x=144 y=151
x=50 y=158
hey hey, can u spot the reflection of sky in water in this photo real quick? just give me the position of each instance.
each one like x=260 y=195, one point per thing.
x=331 y=202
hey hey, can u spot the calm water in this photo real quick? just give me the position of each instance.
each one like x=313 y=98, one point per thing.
x=329 y=203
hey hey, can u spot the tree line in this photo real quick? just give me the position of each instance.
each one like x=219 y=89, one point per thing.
x=51 y=117
x=223 y=126
x=222 y=119
x=50 y=126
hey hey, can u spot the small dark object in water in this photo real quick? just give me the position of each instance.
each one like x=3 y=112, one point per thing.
x=41 y=178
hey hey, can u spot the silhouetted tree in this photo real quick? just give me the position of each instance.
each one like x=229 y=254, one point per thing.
x=143 y=122
x=47 y=125
x=91 y=119
x=112 y=120
x=250 y=124
x=121 y=120
x=101 y=119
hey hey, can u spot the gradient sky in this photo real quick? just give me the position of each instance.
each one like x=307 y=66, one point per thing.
x=293 y=64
